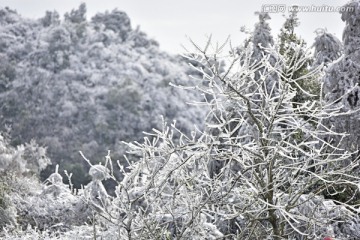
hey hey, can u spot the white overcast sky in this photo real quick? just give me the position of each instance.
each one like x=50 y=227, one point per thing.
x=171 y=22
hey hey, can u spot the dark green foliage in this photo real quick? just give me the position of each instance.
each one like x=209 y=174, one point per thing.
x=293 y=48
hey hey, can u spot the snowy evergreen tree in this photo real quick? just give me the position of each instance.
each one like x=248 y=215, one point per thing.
x=262 y=41
x=287 y=32
x=262 y=37
x=341 y=82
x=341 y=92
x=328 y=48
x=292 y=48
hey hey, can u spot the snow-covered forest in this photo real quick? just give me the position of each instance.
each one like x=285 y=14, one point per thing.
x=105 y=136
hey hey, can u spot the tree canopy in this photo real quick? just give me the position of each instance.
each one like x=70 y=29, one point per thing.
x=87 y=85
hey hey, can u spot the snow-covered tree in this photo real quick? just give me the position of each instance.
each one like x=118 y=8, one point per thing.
x=77 y=15
x=271 y=183
x=287 y=34
x=292 y=47
x=328 y=48
x=341 y=82
x=261 y=41
x=51 y=18
x=117 y=21
x=261 y=37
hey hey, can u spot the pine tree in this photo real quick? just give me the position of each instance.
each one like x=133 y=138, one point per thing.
x=292 y=48
x=262 y=40
x=341 y=91
x=261 y=36
x=328 y=48
x=341 y=82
